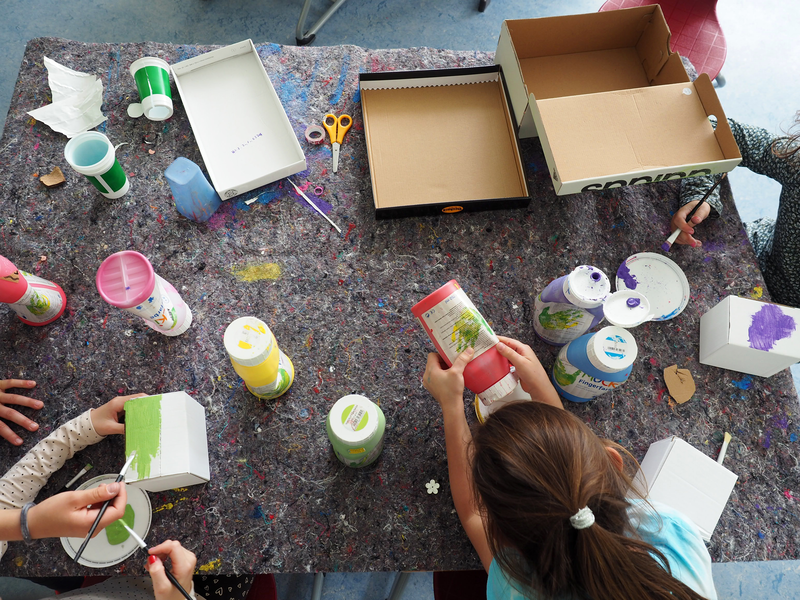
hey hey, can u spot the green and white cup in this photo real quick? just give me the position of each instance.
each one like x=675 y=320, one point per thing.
x=90 y=153
x=152 y=80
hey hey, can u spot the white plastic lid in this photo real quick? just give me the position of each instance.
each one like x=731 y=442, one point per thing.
x=586 y=286
x=248 y=341
x=627 y=308
x=612 y=349
x=500 y=389
x=353 y=419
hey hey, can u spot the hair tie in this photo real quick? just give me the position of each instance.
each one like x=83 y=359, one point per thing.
x=582 y=519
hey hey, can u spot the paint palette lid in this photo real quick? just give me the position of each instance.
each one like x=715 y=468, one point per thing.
x=248 y=341
x=627 y=308
x=125 y=279
x=657 y=278
x=113 y=544
x=353 y=419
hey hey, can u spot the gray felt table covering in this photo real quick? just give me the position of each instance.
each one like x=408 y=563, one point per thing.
x=278 y=499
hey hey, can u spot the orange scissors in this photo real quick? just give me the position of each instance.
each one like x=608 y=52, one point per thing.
x=336 y=129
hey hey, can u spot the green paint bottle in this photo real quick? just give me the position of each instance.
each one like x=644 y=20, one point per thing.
x=355 y=427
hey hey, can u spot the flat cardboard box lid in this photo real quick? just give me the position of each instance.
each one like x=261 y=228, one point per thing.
x=438 y=140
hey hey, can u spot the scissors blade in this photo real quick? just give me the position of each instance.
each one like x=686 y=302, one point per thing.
x=336 y=146
x=314 y=206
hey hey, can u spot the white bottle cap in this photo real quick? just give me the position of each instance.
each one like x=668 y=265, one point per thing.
x=627 y=308
x=586 y=286
x=500 y=389
x=612 y=349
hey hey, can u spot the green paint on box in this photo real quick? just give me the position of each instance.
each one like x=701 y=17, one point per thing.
x=116 y=532
x=143 y=432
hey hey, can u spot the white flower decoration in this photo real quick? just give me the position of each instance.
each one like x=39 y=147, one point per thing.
x=433 y=487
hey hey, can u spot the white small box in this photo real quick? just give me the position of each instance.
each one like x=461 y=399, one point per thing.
x=168 y=433
x=750 y=336
x=679 y=475
x=238 y=120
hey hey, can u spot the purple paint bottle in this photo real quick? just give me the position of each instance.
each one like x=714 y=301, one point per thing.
x=571 y=305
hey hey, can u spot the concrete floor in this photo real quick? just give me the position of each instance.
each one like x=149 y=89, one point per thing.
x=763 y=88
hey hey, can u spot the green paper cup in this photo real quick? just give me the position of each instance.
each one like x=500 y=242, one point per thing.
x=152 y=80
x=91 y=154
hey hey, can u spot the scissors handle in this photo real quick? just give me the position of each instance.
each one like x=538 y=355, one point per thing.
x=336 y=126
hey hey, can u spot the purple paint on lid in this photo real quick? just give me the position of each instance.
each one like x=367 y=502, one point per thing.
x=633 y=302
x=624 y=273
x=768 y=326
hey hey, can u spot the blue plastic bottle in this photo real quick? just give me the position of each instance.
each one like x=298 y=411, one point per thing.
x=570 y=305
x=194 y=197
x=594 y=364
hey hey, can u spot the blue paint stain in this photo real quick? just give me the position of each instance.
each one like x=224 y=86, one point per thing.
x=767 y=440
x=668 y=316
x=357 y=96
x=745 y=384
x=337 y=95
x=760 y=535
x=268 y=49
x=792 y=437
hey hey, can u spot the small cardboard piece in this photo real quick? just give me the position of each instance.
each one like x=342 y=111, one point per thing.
x=441 y=141
x=611 y=103
x=750 y=336
x=238 y=120
x=55 y=177
x=179 y=456
x=679 y=383
x=679 y=475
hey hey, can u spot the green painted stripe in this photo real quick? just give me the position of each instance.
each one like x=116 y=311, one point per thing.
x=152 y=80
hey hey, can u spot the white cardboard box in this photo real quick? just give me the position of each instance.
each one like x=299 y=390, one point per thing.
x=679 y=475
x=168 y=433
x=750 y=336
x=611 y=103
x=238 y=120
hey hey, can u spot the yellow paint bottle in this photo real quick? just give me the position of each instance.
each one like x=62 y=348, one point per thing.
x=256 y=358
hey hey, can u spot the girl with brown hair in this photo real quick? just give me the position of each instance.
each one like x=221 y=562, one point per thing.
x=544 y=500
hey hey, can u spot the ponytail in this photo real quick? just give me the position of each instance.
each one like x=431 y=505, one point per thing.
x=555 y=510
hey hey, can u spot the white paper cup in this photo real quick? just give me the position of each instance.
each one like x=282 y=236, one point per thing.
x=91 y=154
x=152 y=80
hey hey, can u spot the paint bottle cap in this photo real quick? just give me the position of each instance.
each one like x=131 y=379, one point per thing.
x=586 y=286
x=499 y=389
x=612 y=349
x=482 y=411
x=125 y=279
x=248 y=341
x=627 y=308
x=353 y=420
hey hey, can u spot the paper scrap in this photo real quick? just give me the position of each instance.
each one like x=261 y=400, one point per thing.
x=77 y=98
x=53 y=178
x=679 y=383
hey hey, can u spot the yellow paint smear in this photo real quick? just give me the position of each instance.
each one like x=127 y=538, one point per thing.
x=258 y=272
x=210 y=566
x=758 y=291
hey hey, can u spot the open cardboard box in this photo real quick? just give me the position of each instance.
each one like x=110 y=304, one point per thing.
x=441 y=141
x=237 y=119
x=611 y=103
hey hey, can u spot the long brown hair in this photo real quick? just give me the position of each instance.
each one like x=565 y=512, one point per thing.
x=788 y=146
x=533 y=467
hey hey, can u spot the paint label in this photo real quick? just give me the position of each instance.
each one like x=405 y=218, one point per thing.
x=576 y=385
x=455 y=324
x=158 y=309
x=283 y=380
x=354 y=417
x=560 y=322
x=41 y=302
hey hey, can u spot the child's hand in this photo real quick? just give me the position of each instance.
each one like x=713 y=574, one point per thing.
x=105 y=419
x=532 y=376
x=71 y=514
x=183 y=563
x=12 y=415
x=687 y=229
x=447 y=385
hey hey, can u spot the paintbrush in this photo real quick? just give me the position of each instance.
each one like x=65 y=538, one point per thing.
x=314 y=206
x=143 y=545
x=82 y=472
x=103 y=508
x=724 y=449
x=674 y=235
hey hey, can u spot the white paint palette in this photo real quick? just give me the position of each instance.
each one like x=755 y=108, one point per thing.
x=659 y=279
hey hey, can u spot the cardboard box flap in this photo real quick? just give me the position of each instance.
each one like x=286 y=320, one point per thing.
x=597 y=135
x=198 y=62
x=712 y=106
x=440 y=137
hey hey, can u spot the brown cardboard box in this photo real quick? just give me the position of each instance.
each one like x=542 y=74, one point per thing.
x=441 y=141
x=611 y=103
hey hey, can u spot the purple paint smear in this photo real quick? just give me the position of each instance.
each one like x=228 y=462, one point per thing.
x=768 y=326
x=625 y=274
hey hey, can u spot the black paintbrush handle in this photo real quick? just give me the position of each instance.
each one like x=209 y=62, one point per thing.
x=103 y=508
x=174 y=581
x=705 y=197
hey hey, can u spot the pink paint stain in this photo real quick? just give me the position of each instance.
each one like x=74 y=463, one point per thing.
x=788 y=495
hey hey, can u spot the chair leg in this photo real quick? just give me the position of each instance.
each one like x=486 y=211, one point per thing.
x=399 y=585
x=482 y=4
x=306 y=37
x=316 y=593
x=719 y=80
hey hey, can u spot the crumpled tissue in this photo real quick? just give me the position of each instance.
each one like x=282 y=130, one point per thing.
x=77 y=98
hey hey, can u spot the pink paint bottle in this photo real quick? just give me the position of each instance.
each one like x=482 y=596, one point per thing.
x=36 y=301
x=454 y=324
x=127 y=280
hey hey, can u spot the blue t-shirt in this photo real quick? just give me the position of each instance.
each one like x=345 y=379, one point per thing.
x=673 y=534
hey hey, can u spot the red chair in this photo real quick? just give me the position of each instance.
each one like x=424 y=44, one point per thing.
x=696 y=32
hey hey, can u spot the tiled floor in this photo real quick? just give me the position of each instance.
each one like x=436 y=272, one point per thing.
x=763 y=88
